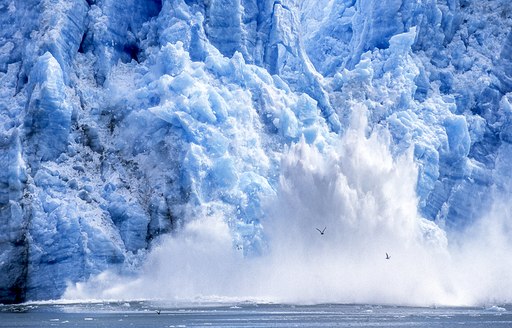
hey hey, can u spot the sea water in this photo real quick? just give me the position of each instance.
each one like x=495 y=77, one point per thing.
x=164 y=314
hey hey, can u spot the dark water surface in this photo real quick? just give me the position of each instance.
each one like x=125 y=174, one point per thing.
x=144 y=314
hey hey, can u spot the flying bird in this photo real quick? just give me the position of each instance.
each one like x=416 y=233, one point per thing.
x=157 y=311
x=387 y=256
x=321 y=231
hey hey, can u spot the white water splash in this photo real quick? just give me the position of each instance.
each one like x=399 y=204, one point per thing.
x=367 y=204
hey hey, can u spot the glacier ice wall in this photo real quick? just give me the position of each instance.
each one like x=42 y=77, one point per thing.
x=125 y=120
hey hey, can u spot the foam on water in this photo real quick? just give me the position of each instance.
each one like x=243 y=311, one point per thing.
x=145 y=314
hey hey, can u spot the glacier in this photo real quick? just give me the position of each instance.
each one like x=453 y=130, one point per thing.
x=134 y=130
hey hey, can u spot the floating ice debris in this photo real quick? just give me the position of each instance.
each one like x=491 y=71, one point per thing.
x=495 y=308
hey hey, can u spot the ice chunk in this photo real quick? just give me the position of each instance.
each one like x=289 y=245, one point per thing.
x=458 y=137
x=13 y=242
x=131 y=221
x=49 y=113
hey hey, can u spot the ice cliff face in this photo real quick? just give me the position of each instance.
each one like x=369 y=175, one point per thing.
x=122 y=120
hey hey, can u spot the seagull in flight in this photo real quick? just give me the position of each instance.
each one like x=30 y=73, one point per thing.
x=387 y=256
x=321 y=231
x=157 y=311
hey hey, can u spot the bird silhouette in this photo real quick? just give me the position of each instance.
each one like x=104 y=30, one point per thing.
x=321 y=231
x=157 y=311
x=387 y=256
